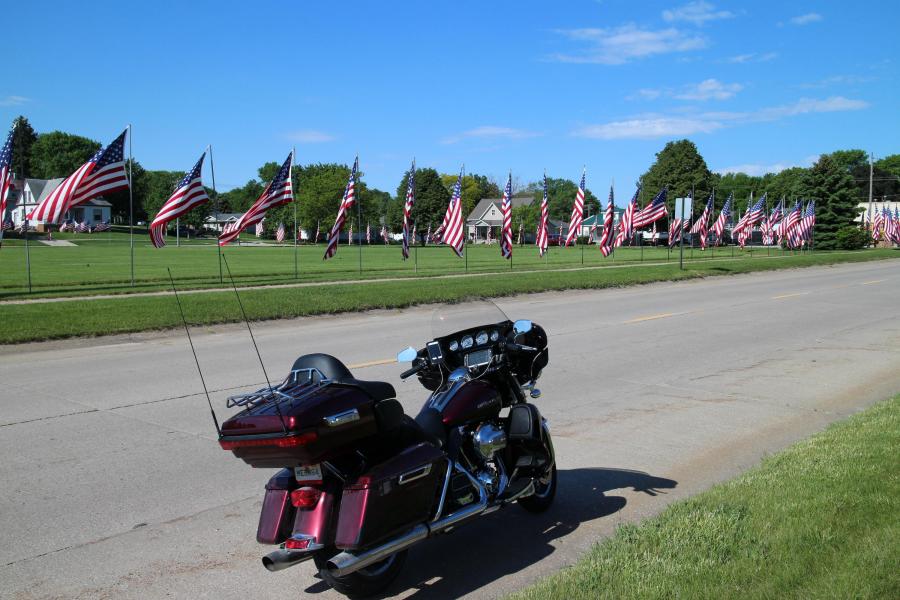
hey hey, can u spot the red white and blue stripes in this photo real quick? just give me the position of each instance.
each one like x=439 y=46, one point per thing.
x=188 y=195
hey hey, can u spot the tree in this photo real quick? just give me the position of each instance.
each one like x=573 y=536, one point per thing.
x=832 y=187
x=474 y=188
x=561 y=198
x=23 y=139
x=528 y=215
x=884 y=183
x=739 y=184
x=121 y=200
x=58 y=154
x=159 y=187
x=850 y=159
x=681 y=167
x=891 y=164
x=432 y=198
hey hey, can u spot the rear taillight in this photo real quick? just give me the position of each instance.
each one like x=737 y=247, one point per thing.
x=305 y=497
x=296 y=544
x=290 y=441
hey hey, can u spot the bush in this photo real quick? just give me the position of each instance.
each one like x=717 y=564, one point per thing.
x=851 y=238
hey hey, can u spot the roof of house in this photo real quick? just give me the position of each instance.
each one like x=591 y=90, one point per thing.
x=219 y=217
x=484 y=205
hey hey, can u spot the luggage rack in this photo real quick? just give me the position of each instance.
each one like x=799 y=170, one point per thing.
x=297 y=386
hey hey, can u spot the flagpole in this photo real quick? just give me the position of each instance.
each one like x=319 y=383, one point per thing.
x=681 y=238
x=178 y=232
x=131 y=202
x=462 y=187
x=358 y=211
x=294 y=200
x=212 y=170
x=27 y=251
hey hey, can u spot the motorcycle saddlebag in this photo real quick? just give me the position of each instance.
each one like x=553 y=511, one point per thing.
x=391 y=497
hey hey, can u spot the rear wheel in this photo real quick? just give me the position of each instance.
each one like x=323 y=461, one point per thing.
x=367 y=581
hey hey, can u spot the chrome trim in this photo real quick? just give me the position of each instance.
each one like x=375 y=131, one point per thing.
x=345 y=563
x=417 y=473
x=458 y=378
x=447 y=475
x=342 y=418
x=291 y=389
x=283 y=558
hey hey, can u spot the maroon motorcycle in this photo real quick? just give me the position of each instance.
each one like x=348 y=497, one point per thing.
x=361 y=482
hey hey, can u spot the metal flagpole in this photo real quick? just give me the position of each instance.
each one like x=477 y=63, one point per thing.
x=871 y=169
x=27 y=251
x=294 y=200
x=177 y=232
x=358 y=211
x=415 y=251
x=217 y=208
x=681 y=239
x=131 y=202
x=462 y=186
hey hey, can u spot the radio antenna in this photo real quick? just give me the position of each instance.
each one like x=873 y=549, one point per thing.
x=255 y=347
x=194 y=352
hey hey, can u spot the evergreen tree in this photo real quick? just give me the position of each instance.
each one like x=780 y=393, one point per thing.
x=681 y=167
x=58 y=154
x=23 y=138
x=832 y=187
x=432 y=198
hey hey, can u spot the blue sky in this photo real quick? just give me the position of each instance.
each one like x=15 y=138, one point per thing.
x=495 y=85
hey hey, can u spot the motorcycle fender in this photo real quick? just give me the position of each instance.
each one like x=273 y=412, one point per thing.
x=276 y=519
x=317 y=522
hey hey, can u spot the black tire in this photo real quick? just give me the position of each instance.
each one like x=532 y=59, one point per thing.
x=544 y=493
x=365 y=582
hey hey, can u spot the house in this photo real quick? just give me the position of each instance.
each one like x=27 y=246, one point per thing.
x=877 y=206
x=486 y=215
x=597 y=221
x=217 y=221
x=29 y=193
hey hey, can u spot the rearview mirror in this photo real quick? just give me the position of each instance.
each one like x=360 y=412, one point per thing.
x=522 y=326
x=407 y=355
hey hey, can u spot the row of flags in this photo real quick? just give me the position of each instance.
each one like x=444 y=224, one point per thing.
x=883 y=224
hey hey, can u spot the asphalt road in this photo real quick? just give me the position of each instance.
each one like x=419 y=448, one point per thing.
x=113 y=485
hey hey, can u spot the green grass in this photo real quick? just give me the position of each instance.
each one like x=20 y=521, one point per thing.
x=100 y=263
x=85 y=317
x=819 y=520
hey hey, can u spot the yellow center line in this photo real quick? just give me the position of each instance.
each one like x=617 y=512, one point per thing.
x=649 y=318
x=874 y=281
x=789 y=295
x=373 y=363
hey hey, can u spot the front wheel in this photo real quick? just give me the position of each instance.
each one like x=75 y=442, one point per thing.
x=544 y=492
x=365 y=582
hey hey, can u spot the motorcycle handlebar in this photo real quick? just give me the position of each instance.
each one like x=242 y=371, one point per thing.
x=519 y=347
x=415 y=369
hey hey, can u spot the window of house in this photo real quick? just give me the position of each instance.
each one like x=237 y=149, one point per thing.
x=98 y=214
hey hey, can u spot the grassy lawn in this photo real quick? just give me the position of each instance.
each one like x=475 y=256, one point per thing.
x=100 y=263
x=40 y=321
x=819 y=520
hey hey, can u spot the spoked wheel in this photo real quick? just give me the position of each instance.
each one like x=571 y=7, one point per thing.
x=544 y=492
x=367 y=581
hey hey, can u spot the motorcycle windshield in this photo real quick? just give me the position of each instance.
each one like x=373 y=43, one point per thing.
x=451 y=318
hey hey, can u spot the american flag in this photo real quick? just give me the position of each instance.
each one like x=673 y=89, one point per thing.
x=368 y=233
x=490 y=235
x=347 y=203
x=606 y=236
x=675 y=230
x=104 y=226
x=64 y=227
x=279 y=191
x=743 y=236
x=279 y=233
x=316 y=239
x=789 y=223
x=189 y=193
x=408 y=206
x=877 y=224
x=521 y=239
x=753 y=215
x=542 y=240
x=772 y=223
x=414 y=234
x=428 y=235
x=807 y=222
x=5 y=178
x=103 y=173
x=577 y=212
x=626 y=225
x=350 y=235
x=653 y=212
x=452 y=226
x=506 y=239
x=702 y=225
x=724 y=215
x=82 y=227
x=384 y=234
x=7 y=225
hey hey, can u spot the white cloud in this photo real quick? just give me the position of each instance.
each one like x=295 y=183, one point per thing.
x=618 y=45
x=752 y=57
x=13 y=100
x=710 y=89
x=490 y=132
x=309 y=136
x=806 y=19
x=657 y=126
x=697 y=13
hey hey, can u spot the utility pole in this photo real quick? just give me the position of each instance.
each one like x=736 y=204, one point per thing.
x=871 y=170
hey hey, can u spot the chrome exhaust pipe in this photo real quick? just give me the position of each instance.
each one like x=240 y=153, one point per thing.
x=282 y=559
x=345 y=563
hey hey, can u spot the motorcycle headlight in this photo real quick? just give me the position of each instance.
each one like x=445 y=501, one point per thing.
x=466 y=342
x=454 y=346
x=481 y=338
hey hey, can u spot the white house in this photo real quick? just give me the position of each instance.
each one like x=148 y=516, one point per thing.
x=31 y=192
x=486 y=214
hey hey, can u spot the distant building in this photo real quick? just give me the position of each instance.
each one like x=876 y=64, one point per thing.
x=877 y=206
x=217 y=221
x=29 y=193
x=487 y=215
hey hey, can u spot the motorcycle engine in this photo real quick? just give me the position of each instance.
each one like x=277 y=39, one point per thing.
x=488 y=439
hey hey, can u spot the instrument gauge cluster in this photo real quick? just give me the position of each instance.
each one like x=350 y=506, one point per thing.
x=481 y=338
x=466 y=342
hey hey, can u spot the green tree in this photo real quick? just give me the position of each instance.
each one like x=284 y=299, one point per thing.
x=474 y=188
x=832 y=187
x=679 y=166
x=527 y=215
x=58 y=154
x=159 y=187
x=23 y=140
x=850 y=159
x=891 y=164
x=121 y=200
x=432 y=198
x=561 y=198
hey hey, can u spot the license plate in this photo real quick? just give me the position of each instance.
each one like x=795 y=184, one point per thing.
x=308 y=473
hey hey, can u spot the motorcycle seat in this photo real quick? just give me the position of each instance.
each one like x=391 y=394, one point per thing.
x=333 y=369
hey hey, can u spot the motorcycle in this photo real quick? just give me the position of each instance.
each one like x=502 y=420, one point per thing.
x=360 y=481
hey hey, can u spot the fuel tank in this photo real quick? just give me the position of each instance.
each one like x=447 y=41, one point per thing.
x=466 y=401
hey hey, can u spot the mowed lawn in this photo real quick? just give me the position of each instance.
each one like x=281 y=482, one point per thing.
x=100 y=263
x=819 y=520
